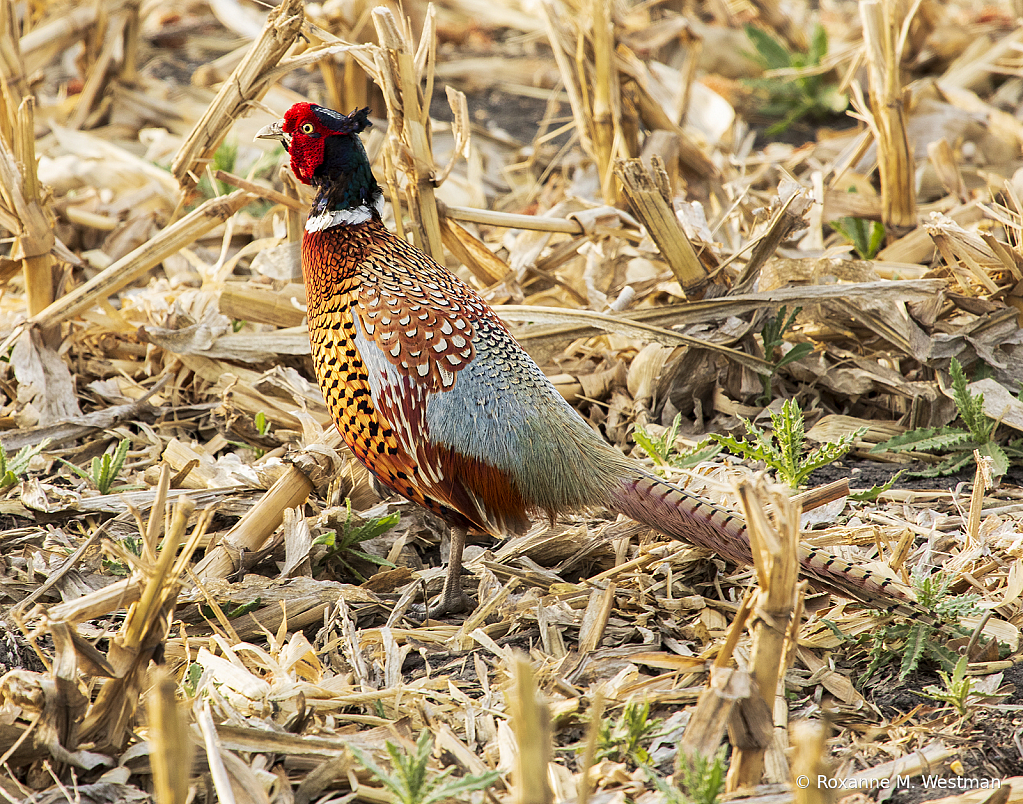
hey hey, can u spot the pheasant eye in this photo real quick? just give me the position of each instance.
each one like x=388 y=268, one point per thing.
x=308 y=128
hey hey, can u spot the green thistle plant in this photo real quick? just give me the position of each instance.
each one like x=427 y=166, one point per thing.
x=13 y=469
x=409 y=781
x=783 y=449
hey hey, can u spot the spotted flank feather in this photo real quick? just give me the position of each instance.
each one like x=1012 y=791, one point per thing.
x=434 y=395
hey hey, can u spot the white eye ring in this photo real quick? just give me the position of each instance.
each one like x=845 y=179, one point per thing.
x=308 y=128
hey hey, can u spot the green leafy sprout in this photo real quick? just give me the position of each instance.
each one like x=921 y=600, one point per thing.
x=226 y=158
x=783 y=449
x=262 y=427
x=232 y=613
x=909 y=643
x=959 y=443
x=958 y=692
x=773 y=335
x=866 y=236
x=811 y=93
x=13 y=469
x=410 y=782
x=115 y=566
x=344 y=547
x=875 y=491
x=190 y=683
x=662 y=448
x=702 y=780
x=622 y=740
x=104 y=469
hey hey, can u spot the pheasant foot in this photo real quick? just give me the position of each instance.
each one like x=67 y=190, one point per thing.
x=452 y=600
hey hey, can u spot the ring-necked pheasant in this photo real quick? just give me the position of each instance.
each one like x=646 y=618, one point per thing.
x=438 y=400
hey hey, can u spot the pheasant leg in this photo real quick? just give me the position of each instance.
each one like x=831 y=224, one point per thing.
x=453 y=599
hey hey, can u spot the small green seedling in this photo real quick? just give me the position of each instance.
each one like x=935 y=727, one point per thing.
x=13 y=469
x=622 y=740
x=232 y=613
x=866 y=237
x=875 y=491
x=224 y=158
x=773 y=335
x=345 y=547
x=811 y=93
x=262 y=427
x=409 y=781
x=958 y=692
x=783 y=448
x=115 y=566
x=190 y=683
x=702 y=780
x=662 y=448
x=104 y=469
x=909 y=643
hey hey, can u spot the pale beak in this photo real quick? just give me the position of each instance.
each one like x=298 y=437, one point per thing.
x=274 y=131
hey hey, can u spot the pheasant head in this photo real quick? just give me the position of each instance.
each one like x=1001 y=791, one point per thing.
x=326 y=152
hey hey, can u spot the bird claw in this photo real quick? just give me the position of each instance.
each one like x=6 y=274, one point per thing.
x=448 y=604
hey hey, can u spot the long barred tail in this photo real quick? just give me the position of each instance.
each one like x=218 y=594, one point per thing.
x=681 y=515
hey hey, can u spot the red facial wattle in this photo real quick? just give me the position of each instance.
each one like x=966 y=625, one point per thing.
x=306 y=149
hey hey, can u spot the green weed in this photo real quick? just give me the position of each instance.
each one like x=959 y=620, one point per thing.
x=409 y=780
x=232 y=613
x=773 y=335
x=977 y=433
x=783 y=449
x=345 y=547
x=866 y=237
x=662 y=448
x=224 y=158
x=13 y=469
x=875 y=491
x=104 y=468
x=813 y=94
x=702 y=780
x=958 y=692
x=622 y=740
x=912 y=642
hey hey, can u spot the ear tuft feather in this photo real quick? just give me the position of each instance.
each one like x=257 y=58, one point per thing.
x=354 y=123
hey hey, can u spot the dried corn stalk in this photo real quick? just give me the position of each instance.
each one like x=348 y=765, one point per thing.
x=531 y=721
x=889 y=103
x=133 y=265
x=777 y=609
x=13 y=86
x=586 y=60
x=649 y=196
x=171 y=745
x=249 y=82
x=22 y=212
x=21 y=209
x=156 y=581
x=968 y=256
x=401 y=76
